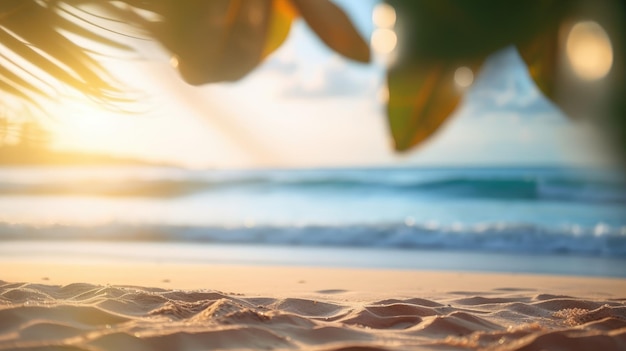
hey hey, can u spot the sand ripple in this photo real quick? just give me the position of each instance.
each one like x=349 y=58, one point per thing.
x=91 y=317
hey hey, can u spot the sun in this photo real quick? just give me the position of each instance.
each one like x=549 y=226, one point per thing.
x=86 y=126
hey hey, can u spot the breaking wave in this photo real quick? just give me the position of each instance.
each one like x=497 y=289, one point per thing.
x=601 y=240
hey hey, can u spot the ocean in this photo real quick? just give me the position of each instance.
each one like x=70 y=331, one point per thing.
x=536 y=220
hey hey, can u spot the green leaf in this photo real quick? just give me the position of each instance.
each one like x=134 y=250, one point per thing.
x=541 y=56
x=541 y=53
x=8 y=75
x=37 y=59
x=334 y=28
x=42 y=46
x=8 y=88
x=461 y=29
x=421 y=98
x=280 y=23
x=81 y=27
x=434 y=36
x=218 y=40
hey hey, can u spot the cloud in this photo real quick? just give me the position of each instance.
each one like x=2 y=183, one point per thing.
x=334 y=78
x=331 y=77
x=503 y=84
x=284 y=64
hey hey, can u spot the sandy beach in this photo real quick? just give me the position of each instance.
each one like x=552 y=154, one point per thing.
x=156 y=306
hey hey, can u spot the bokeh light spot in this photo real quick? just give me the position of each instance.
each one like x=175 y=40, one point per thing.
x=463 y=77
x=174 y=61
x=384 y=16
x=589 y=50
x=384 y=40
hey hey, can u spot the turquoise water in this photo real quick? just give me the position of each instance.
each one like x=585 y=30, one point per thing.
x=551 y=212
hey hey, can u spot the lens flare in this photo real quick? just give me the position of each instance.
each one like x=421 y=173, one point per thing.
x=384 y=16
x=463 y=77
x=589 y=50
x=383 y=94
x=384 y=40
x=174 y=61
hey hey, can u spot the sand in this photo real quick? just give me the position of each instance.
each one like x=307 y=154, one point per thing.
x=152 y=306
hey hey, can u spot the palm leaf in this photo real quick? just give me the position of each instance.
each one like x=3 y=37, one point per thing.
x=219 y=40
x=281 y=17
x=17 y=81
x=33 y=33
x=76 y=23
x=541 y=57
x=334 y=28
x=421 y=98
x=541 y=51
x=16 y=92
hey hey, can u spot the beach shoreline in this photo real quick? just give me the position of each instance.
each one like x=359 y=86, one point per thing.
x=250 y=279
x=235 y=254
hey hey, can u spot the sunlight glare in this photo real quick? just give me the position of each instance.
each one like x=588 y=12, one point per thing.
x=384 y=40
x=463 y=77
x=85 y=126
x=174 y=61
x=94 y=127
x=383 y=94
x=384 y=16
x=589 y=50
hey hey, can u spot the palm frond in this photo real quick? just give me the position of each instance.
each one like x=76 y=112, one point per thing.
x=40 y=51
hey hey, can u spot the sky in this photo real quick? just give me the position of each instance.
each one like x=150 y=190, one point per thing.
x=306 y=106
